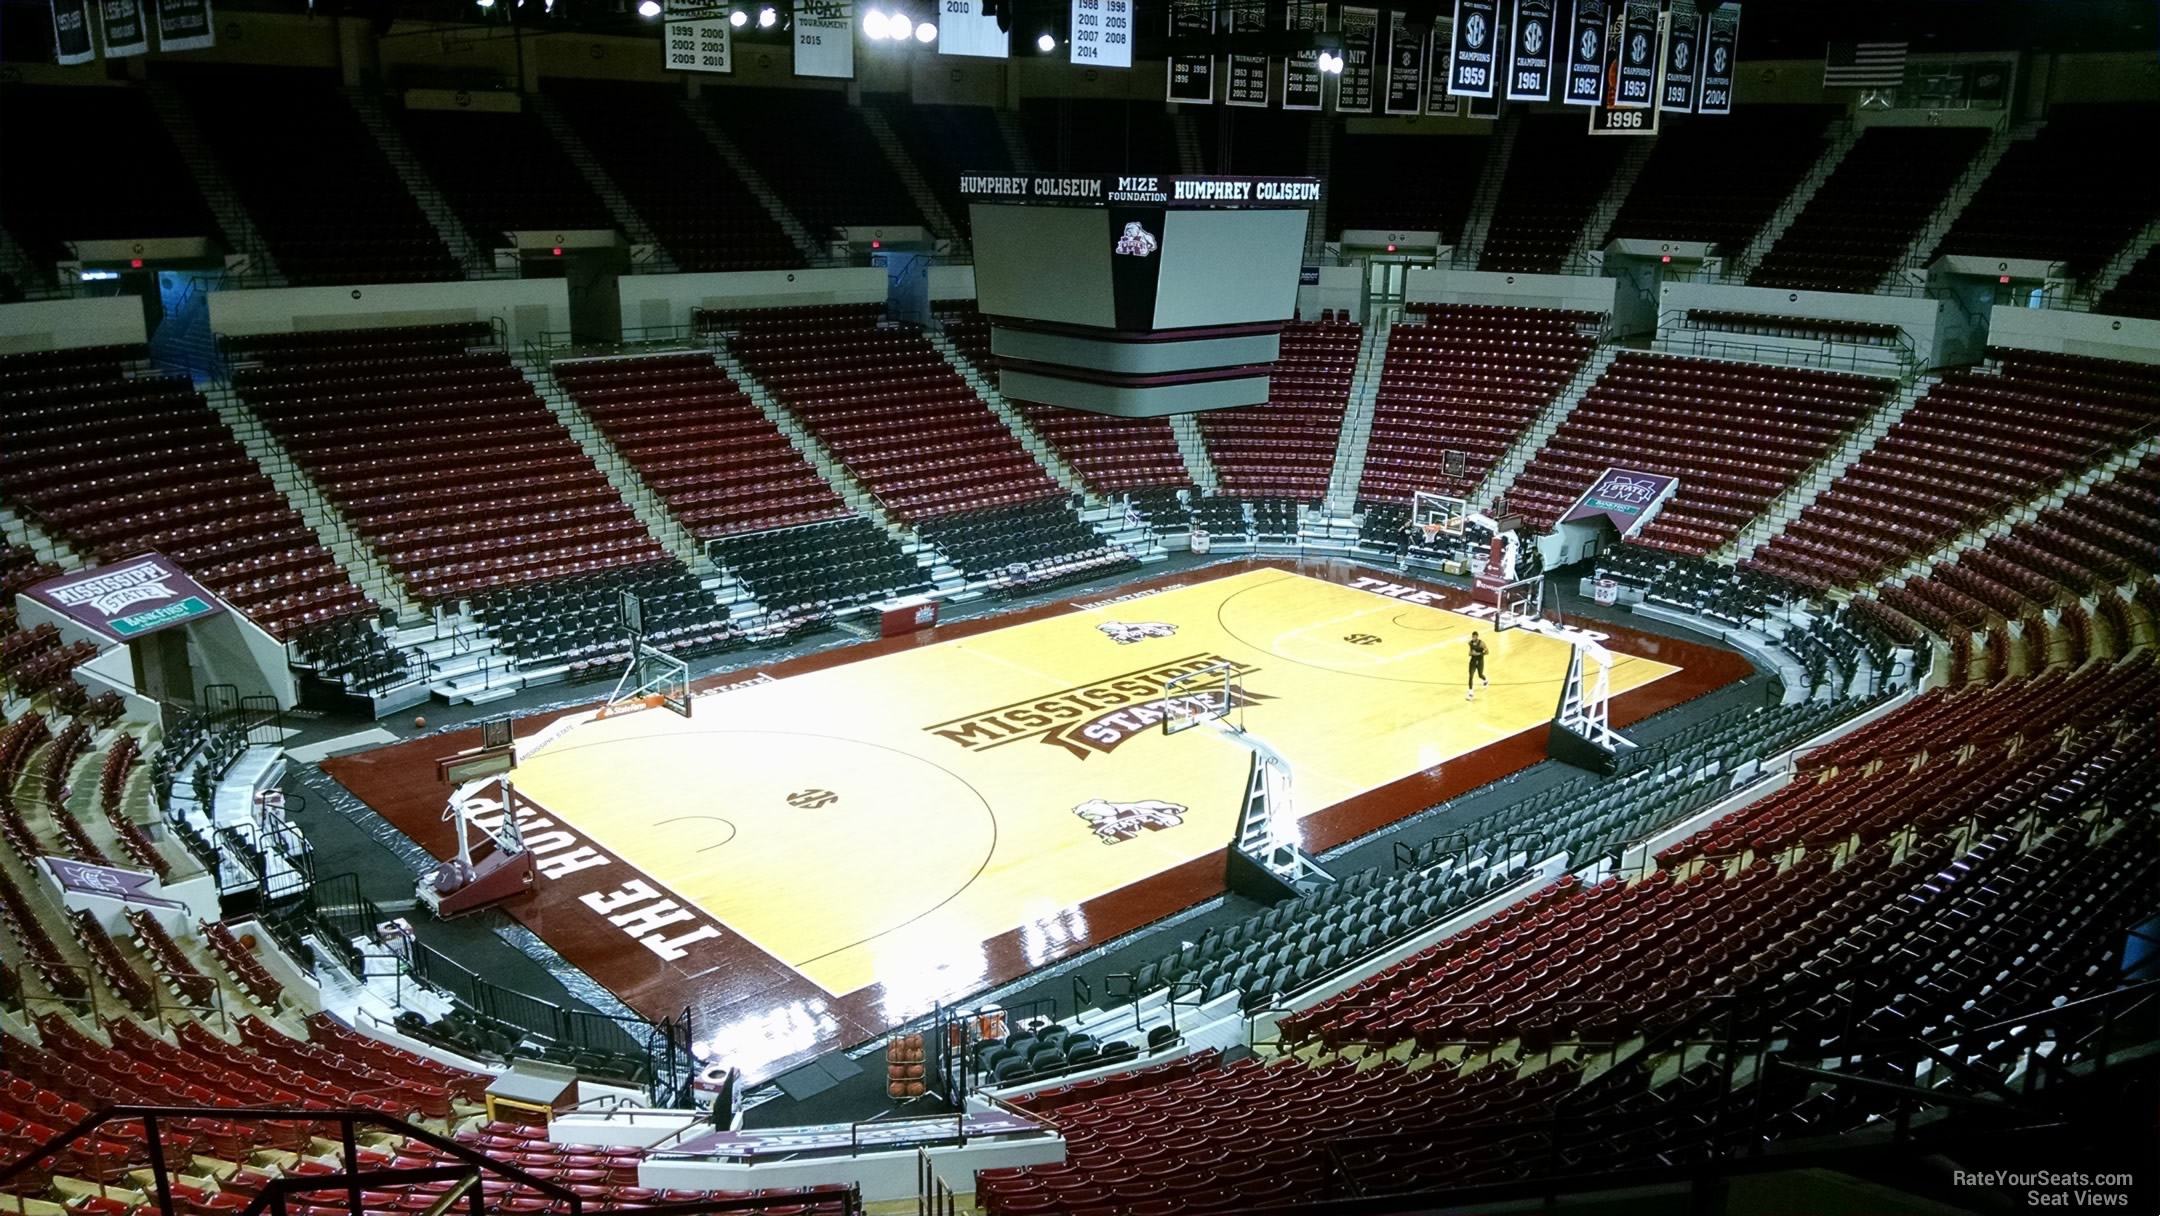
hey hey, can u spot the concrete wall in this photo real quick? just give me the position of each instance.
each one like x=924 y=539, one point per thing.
x=952 y=282
x=1591 y=293
x=66 y=324
x=666 y=299
x=1341 y=288
x=527 y=306
x=2075 y=333
x=230 y=649
x=1926 y=321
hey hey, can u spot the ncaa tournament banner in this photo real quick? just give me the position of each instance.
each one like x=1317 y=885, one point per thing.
x=1102 y=33
x=1477 y=32
x=1354 y=92
x=73 y=41
x=1439 y=103
x=184 y=25
x=126 y=33
x=1192 y=77
x=1301 y=69
x=128 y=598
x=1585 y=71
x=697 y=38
x=1530 y=51
x=825 y=38
x=1635 y=83
x=1683 y=39
x=1720 y=52
x=1406 y=66
x=964 y=30
x=1248 y=73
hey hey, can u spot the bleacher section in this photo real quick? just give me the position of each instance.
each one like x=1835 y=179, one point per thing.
x=848 y=182
x=1852 y=232
x=116 y=461
x=1735 y=434
x=572 y=623
x=1555 y=175
x=945 y=142
x=1976 y=443
x=1286 y=447
x=1030 y=546
x=1468 y=378
x=1719 y=179
x=700 y=211
x=809 y=573
x=887 y=405
x=441 y=456
x=700 y=443
x=313 y=178
x=2063 y=195
x=2137 y=293
x=500 y=172
x=1399 y=183
x=133 y=186
x=1580 y=998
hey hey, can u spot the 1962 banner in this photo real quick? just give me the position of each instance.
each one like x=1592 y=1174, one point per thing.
x=1720 y=50
x=1530 y=51
x=1192 y=77
x=1683 y=39
x=1406 y=66
x=1586 y=54
x=1354 y=90
x=1477 y=35
x=1301 y=69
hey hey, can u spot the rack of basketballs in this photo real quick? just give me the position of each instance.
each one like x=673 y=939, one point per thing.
x=904 y=1066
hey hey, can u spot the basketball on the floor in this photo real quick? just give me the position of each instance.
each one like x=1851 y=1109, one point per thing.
x=418 y=722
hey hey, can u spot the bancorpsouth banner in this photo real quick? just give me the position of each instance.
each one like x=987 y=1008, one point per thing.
x=1626 y=497
x=130 y=598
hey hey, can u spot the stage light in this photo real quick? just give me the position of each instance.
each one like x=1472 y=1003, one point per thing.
x=1330 y=63
x=767 y=18
x=899 y=28
x=738 y=18
x=1046 y=44
x=485 y=3
x=925 y=33
x=648 y=8
x=873 y=25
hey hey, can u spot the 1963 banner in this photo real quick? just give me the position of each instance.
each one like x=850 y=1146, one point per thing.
x=130 y=598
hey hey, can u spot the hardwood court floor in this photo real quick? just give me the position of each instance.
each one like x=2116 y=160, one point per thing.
x=813 y=857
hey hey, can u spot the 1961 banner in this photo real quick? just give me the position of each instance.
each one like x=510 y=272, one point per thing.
x=1477 y=36
x=130 y=598
x=1530 y=51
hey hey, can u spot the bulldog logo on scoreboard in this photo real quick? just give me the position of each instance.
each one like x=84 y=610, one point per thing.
x=1137 y=241
x=1117 y=822
x=1125 y=633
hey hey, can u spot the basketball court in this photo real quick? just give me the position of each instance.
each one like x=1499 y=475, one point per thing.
x=943 y=816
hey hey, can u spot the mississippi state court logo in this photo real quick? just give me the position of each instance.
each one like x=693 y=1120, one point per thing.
x=1117 y=822
x=1094 y=719
x=1125 y=633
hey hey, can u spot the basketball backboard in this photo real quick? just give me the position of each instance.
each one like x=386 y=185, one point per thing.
x=1198 y=697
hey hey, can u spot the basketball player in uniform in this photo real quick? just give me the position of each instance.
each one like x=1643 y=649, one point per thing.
x=1477 y=668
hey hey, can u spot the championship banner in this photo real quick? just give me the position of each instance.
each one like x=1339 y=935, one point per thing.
x=1720 y=52
x=1635 y=81
x=1683 y=41
x=1472 y=63
x=1439 y=103
x=73 y=41
x=1586 y=54
x=963 y=29
x=1530 y=51
x=825 y=39
x=126 y=32
x=184 y=25
x=697 y=38
x=1192 y=77
x=1354 y=92
x=1301 y=69
x=1248 y=73
x=129 y=598
x=1102 y=33
x=1627 y=498
x=1406 y=66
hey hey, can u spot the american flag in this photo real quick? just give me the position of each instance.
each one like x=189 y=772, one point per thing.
x=1864 y=65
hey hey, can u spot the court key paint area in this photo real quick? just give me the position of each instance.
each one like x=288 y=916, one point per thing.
x=877 y=821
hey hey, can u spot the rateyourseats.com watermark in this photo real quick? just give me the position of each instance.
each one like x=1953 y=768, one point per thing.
x=2049 y=1189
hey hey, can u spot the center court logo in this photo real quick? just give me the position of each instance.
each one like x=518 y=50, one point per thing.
x=1089 y=719
x=1117 y=822
x=1125 y=633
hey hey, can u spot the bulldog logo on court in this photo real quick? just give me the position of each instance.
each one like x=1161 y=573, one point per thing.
x=1116 y=822
x=1125 y=633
